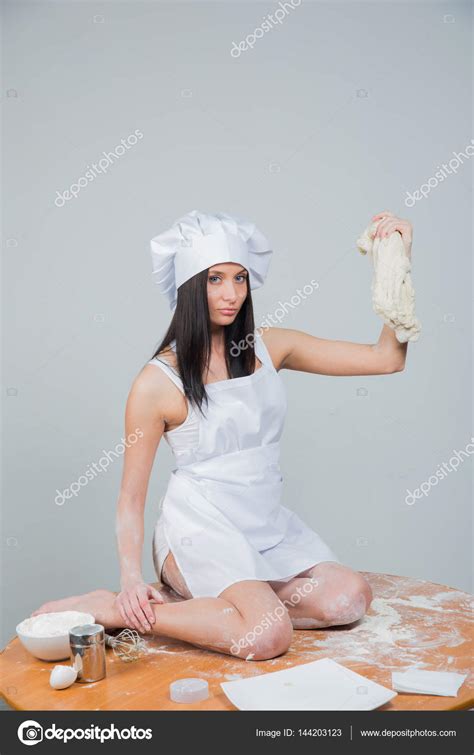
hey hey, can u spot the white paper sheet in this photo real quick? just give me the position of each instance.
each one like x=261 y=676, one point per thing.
x=428 y=682
x=320 y=685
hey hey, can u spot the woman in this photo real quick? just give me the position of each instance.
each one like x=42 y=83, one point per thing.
x=238 y=571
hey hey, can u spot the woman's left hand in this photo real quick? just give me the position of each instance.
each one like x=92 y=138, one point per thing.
x=389 y=223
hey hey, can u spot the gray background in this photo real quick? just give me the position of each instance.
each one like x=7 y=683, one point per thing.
x=333 y=116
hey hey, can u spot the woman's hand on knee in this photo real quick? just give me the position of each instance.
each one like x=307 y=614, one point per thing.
x=133 y=602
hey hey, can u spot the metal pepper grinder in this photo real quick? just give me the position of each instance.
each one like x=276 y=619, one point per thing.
x=87 y=643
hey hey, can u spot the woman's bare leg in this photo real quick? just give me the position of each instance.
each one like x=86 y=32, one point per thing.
x=327 y=594
x=247 y=620
x=251 y=619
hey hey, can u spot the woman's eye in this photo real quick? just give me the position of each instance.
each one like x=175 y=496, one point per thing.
x=213 y=277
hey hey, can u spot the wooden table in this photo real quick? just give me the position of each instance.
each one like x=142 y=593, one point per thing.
x=411 y=623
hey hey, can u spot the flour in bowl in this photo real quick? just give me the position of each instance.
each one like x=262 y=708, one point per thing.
x=52 y=624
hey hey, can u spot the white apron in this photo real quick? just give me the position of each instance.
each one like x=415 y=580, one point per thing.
x=221 y=515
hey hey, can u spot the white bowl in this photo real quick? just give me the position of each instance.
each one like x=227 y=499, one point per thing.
x=51 y=648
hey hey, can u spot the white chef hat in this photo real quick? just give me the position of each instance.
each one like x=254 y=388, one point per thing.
x=199 y=240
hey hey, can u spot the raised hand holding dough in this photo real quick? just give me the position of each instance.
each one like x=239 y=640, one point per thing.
x=393 y=295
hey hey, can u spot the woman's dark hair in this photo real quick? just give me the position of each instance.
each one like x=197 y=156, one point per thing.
x=191 y=327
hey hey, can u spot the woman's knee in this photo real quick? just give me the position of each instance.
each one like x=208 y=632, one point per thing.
x=349 y=603
x=266 y=639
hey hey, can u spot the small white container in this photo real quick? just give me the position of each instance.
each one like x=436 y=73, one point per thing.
x=190 y=690
x=51 y=648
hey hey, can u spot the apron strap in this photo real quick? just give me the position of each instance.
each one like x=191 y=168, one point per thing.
x=263 y=353
x=170 y=371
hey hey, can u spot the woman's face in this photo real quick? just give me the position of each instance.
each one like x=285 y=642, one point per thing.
x=226 y=291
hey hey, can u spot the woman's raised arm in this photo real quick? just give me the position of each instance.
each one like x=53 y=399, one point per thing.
x=301 y=351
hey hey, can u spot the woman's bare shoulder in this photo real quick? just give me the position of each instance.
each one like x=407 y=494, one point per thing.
x=153 y=387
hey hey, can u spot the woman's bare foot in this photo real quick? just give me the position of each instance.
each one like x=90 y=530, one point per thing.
x=100 y=603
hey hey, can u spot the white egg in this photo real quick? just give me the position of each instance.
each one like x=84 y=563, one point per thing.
x=62 y=676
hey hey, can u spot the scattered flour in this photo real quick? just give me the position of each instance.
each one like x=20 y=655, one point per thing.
x=162 y=649
x=52 y=624
x=384 y=638
x=431 y=602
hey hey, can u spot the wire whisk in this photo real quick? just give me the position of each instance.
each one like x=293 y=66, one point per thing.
x=128 y=646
